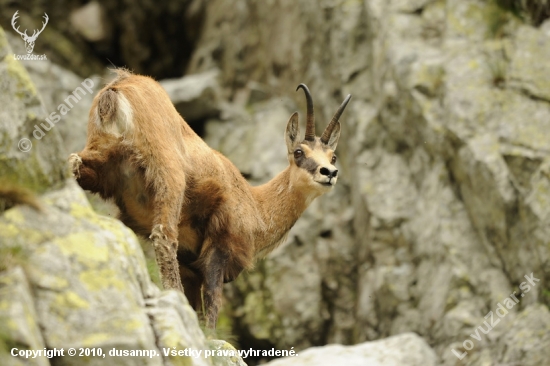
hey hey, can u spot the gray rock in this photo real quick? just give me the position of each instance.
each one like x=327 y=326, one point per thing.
x=528 y=338
x=407 y=349
x=89 y=21
x=196 y=97
x=18 y=317
x=27 y=158
x=253 y=142
x=55 y=85
x=89 y=288
x=176 y=335
x=219 y=347
x=526 y=71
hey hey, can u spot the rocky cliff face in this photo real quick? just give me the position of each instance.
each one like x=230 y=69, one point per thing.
x=442 y=207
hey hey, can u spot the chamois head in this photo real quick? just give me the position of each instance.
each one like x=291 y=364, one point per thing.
x=313 y=158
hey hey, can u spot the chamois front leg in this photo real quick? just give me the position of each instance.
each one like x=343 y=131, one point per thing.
x=85 y=167
x=214 y=266
x=165 y=251
x=168 y=203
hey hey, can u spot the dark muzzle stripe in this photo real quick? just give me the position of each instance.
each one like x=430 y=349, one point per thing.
x=308 y=164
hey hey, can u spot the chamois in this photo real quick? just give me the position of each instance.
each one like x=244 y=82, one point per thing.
x=206 y=222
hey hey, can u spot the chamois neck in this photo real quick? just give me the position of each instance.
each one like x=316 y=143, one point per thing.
x=280 y=203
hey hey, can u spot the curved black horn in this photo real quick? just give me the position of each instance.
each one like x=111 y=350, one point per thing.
x=310 y=124
x=330 y=127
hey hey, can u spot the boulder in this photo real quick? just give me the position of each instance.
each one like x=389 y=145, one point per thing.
x=56 y=86
x=197 y=96
x=73 y=278
x=407 y=349
x=31 y=156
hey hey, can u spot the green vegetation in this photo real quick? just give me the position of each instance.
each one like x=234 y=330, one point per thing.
x=498 y=16
x=546 y=296
x=151 y=261
x=5 y=341
x=153 y=270
x=223 y=329
x=10 y=256
x=512 y=6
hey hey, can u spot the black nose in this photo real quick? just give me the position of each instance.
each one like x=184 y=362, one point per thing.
x=328 y=172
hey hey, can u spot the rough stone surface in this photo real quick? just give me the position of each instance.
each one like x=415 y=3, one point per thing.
x=253 y=138
x=78 y=279
x=197 y=97
x=406 y=349
x=33 y=163
x=89 y=21
x=18 y=316
x=442 y=204
x=55 y=87
x=223 y=346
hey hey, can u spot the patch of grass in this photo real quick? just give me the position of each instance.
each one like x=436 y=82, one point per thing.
x=4 y=344
x=546 y=297
x=151 y=261
x=10 y=256
x=223 y=331
x=153 y=270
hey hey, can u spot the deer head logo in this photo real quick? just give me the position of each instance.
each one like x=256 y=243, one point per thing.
x=29 y=41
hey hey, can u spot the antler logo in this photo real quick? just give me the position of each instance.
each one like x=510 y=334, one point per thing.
x=29 y=40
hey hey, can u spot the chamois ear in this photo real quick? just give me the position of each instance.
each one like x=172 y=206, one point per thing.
x=334 y=136
x=292 y=131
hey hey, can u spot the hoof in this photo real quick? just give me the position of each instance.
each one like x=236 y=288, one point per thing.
x=75 y=162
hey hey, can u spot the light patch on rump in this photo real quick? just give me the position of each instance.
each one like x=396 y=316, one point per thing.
x=114 y=114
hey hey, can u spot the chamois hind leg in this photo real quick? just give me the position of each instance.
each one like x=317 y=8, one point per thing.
x=167 y=208
x=214 y=263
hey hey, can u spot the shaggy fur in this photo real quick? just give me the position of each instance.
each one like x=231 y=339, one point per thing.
x=206 y=222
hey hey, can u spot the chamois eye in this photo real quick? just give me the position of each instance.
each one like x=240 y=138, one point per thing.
x=298 y=153
x=333 y=160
